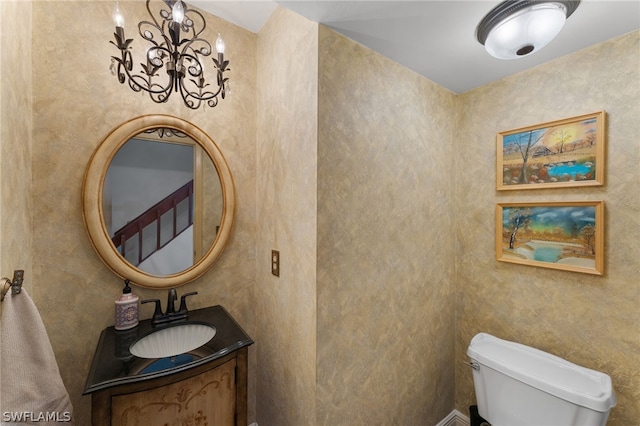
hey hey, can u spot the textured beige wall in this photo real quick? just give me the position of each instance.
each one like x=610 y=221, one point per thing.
x=385 y=313
x=590 y=320
x=15 y=141
x=386 y=245
x=76 y=102
x=286 y=217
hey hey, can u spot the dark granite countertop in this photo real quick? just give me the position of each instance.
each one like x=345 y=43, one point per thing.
x=114 y=365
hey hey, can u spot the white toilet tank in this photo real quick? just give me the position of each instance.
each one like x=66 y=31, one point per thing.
x=517 y=385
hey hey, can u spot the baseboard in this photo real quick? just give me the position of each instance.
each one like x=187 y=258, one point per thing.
x=455 y=418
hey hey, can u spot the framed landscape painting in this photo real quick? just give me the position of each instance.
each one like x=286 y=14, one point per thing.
x=558 y=235
x=562 y=153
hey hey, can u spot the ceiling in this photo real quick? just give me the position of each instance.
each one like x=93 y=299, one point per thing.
x=437 y=38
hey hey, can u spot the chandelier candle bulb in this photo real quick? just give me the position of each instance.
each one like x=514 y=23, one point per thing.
x=177 y=12
x=220 y=44
x=118 y=17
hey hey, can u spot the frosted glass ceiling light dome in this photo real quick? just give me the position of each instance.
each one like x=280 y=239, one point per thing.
x=516 y=28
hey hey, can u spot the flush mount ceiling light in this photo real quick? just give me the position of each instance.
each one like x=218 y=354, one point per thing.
x=175 y=44
x=516 y=28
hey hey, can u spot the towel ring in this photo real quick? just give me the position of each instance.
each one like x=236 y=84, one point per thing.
x=15 y=285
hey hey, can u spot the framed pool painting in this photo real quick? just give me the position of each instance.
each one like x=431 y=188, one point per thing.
x=561 y=153
x=559 y=235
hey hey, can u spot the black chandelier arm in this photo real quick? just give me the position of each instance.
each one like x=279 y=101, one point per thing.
x=197 y=71
x=190 y=23
x=148 y=34
x=220 y=64
x=163 y=13
x=155 y=25
x=118 y=71
x=125 y=62
x=187 y=25
x=200 y=94
x=193 y=100
x=195 y=67
x=121 y=42
x=139 y=82
x=191 y=47
x=156 y=56
x=225 y=86
x=196 y=45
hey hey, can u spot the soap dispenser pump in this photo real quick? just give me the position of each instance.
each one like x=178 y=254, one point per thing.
x=126 y=309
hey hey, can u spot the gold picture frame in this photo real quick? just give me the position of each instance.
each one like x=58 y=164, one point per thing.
x=559 y=235
x=556 y=154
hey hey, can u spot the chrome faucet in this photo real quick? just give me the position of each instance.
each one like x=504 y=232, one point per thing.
x=170 y=314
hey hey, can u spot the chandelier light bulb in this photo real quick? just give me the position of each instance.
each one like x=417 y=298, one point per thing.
x=220 y=44
x=118 y=17
x=177 y=12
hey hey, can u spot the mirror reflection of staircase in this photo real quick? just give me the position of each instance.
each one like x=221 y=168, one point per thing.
x=156 y=227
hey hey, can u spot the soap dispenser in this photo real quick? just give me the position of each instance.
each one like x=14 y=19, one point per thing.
x=126 y=309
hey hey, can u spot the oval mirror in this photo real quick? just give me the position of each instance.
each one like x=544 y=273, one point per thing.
x=158 y=201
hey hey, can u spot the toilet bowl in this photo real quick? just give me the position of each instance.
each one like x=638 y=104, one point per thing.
x=517 y=385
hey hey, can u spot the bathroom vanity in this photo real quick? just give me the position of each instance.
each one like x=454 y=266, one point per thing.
x=173 y=373
x=207 y=385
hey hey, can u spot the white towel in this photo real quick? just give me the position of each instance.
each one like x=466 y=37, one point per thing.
x=32 y=391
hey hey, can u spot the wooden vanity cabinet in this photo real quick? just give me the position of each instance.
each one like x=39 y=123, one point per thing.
x=214 y=394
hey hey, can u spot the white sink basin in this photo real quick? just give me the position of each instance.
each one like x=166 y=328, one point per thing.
x=173 y=340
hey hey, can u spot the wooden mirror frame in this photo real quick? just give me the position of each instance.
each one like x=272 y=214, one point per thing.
x=92 y=197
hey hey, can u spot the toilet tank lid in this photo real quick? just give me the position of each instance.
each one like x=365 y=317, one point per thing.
x=549 y=373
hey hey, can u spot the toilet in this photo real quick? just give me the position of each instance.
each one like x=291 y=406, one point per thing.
x=517 y=385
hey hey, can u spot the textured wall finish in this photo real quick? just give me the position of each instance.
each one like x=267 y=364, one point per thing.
x=76 y=102
x=385 y=240
x=286 y=217
x=15 y=141
x=590 y=320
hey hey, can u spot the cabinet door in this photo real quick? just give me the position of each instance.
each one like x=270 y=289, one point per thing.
x=206 y=399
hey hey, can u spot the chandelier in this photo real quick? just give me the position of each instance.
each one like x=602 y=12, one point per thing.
x=175 y=56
